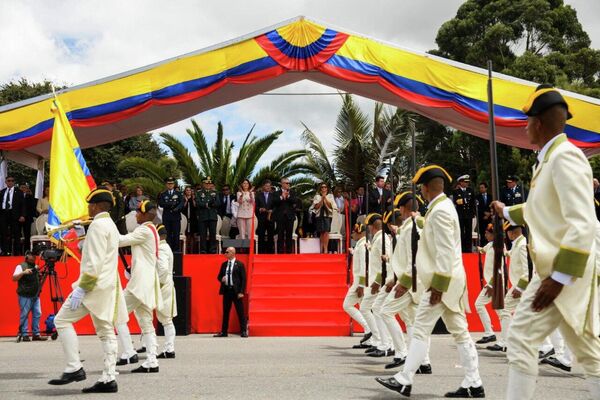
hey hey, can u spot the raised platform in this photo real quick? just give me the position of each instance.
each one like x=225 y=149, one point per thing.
x=289 y=295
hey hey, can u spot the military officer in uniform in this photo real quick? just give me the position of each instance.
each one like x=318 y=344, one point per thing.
x=142 y=294
x=464 y=200
x=207 y=200
x=172 y=202
x=559 y=216
x=98 y=293
x=518 y=278
x=167 y=288
x=117 y=212
x=513 y=193
x=356 y=290
x=443 y=278
x=402 y=299
x=485 y=296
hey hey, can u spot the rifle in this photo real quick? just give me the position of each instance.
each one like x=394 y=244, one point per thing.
x=479 y=262
x=124 y=261
x=498 y=289
x=526 y=234
x=414 y=235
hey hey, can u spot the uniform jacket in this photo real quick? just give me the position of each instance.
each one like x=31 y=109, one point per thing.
x=518 y=272
x=98 y=274
x=465 y=202
x=402 y=260
x=488 y=265
x=559 y=215
x=208 y=202
x=172 y=204
x=439 y=258
x=359 y=263
x=510 y=197
x=144 y=283
x=375 y=263
x=164 y=268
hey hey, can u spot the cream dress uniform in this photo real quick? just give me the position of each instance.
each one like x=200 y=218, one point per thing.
x=376 y=264
x=168 y=311
x=406 y=305
x=518 y=276
x=103 y=299
x=483 y=299
x=358 y=271
x=142 y=293
x=439 y=260
x=559 y=214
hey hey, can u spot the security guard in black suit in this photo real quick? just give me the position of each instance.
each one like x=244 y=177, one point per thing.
x=208 y=201
x=513 y=193
x=171 y=201
x=117 y=212
x=464 y=201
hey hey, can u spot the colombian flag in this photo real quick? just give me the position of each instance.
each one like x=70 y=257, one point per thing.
x=70 y=178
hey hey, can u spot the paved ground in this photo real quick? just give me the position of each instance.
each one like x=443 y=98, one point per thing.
x=259 y=368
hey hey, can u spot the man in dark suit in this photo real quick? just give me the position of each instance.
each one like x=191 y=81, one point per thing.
x=464 y=201
x=225 y=210
x=264 y=207
x=484 y=214
x=30 y=214
x=12 y=214
x=284 y=202
x=171 y=201
x=233 y=286
x=513 y=193
x=380 y=199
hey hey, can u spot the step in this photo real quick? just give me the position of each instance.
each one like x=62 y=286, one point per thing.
x=300 y=302
x=289 y=290
x=273 y=329
x=294 y=266
x=307 y=279
x=293 y=317
x=299 y=258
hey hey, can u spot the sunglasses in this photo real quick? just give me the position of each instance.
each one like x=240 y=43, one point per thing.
x=10 y=180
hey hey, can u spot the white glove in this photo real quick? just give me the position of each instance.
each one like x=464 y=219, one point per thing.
x=79 y=230
x=77 y=298
x=80 y=244
x=127 y=275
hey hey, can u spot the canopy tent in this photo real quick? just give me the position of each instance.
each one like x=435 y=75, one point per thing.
x=150 y=97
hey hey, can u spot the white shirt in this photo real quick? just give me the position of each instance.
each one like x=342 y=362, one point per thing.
x=8 y=198
x=229 y=271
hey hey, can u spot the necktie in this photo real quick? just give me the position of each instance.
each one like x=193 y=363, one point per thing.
x=229 y=268
x=359 y=203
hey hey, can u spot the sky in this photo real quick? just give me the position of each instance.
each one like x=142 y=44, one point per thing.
x=76 y=41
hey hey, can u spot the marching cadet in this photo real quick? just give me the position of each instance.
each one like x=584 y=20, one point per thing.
x=512 y=193
x=381 y=283
x=171 y=200
x=142 y=294
x=443 y=277
x=518 y=276
x=208 y=205
x=558 y=214
x=485 y=296
x=98 y=293
x=356 y=290
x=402 y=300
x=167 y=288
x=464 y=200
x=117 y=211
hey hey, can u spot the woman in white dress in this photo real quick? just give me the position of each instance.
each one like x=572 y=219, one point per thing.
x=245 y=213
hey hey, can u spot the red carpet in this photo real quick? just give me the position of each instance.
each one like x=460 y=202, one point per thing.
x=298 y=295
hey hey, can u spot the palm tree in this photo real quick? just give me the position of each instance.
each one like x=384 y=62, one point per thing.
x=219 y=163
x=148 y=174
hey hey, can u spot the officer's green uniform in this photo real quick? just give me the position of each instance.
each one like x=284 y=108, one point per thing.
x=207 y=201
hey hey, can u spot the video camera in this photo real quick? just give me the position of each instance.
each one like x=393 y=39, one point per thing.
x=48 y=253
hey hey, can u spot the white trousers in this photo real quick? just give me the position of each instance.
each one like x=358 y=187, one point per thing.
x=169 y=328
x=456 y=323
x=143 y=314
x=482 y=311
x=64 y=321
x=350 y=301
x=506 y=315
x=385 y=342
x=366 y=306
x=562 y=351
x=405 y=307
x=529 y=329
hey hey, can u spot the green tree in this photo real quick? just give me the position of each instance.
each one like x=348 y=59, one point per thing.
x=149 y=174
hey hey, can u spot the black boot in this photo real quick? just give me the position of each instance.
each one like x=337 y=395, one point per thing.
x=144 y=370
x=486 y=339
x=366 y=337
x=396 y=386
x=68 y=377
x=166 y=354
x=424 y=369
x=131 y=360
x=102 y=387
x=396 y=363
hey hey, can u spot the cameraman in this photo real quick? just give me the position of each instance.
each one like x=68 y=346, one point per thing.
x=28 y=278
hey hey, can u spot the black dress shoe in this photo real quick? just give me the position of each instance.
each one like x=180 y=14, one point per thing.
x=38 y=338
x=220 y=334
x=131 y=360
x=144 y=370
x=424 y=369
x=141 y=350
x=25 y=339
x=486 y=339
x=554 y=362
x=547 y=354
x=377 y=353
x=68 y=377
x=371 y=349
x=396 y=363
x=361 y=346
x=396 y=386
x=102 y=387
x=166 y=354
x=366 y=337
x=467 y=393
x=496 y=347
x=244 y=334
